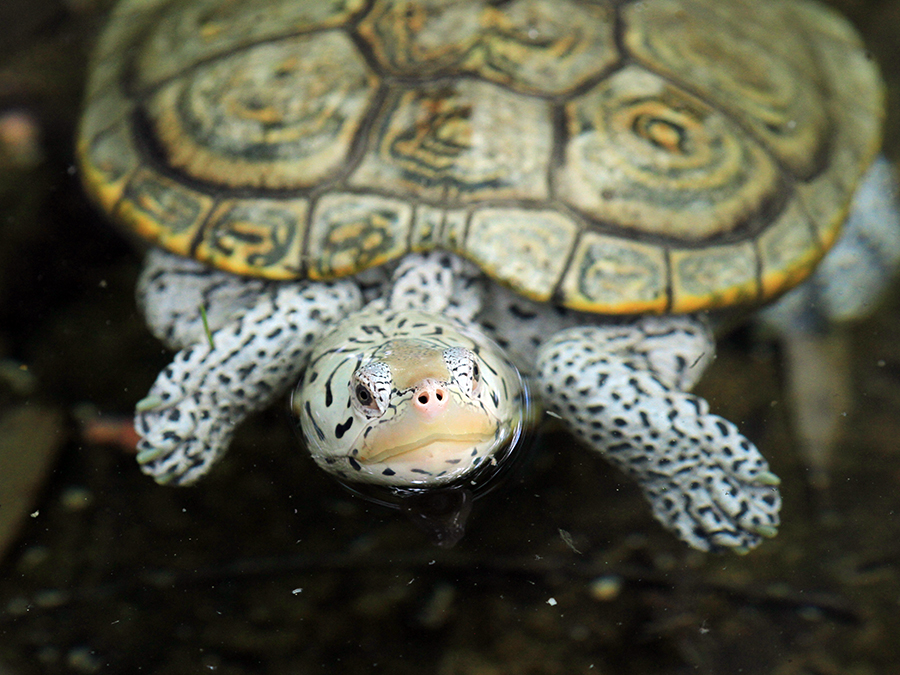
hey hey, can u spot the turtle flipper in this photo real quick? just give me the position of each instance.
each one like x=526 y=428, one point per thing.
x=187 y=419
x=703 y=479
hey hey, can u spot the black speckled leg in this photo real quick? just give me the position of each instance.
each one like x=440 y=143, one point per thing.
x=703 y=479
x=260 y=347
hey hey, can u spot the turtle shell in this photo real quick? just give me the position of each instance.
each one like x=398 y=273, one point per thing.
x=610 y=156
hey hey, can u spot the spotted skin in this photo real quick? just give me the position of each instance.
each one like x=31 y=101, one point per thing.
x=434 y=298
x=703 y=479
x=621 y=388
x=438 y=283
x=171 y=289
x=187 y=419
x=377 y=349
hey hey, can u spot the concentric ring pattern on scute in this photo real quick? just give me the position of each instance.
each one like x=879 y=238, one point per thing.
x=616 y=157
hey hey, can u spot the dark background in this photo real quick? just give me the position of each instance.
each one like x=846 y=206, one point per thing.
x=269 y=567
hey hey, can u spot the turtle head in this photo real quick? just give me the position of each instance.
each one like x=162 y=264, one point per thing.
x=408 y=400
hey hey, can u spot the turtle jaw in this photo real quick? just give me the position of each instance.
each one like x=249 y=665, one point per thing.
x=433 y=443
x=428 y=449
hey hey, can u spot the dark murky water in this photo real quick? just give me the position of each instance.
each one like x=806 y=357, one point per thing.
x=269 y=567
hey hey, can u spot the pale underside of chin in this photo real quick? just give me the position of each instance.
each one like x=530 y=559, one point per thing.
x=431 y=459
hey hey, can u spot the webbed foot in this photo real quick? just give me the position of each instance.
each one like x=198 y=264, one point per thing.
x=703 y=479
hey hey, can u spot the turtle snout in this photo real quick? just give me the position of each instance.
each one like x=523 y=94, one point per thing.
x=430 y=398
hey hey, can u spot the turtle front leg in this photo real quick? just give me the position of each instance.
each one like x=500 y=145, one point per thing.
x=259 y=344
x=618 y=388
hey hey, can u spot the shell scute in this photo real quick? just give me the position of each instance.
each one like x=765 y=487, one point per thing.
x=646 y=155
x=252 y=234
x=611 y=275
x=721 y=53
x=788 y=251
x=673 y=155
x=531 y=46
x=108 y=159
x=526 y=249
x=162 y=209
x=459 y=143
x=714 y=276
x=277 y=116
x=189 y=33
x=351 y=232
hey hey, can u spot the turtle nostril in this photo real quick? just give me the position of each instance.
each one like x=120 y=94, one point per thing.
x=430 y=398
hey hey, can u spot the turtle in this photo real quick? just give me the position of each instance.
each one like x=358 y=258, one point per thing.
x=429 y=220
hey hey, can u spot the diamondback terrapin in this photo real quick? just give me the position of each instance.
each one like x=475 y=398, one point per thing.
x=402 y=202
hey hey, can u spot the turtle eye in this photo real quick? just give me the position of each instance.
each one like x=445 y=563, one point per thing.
x=463 y=365
x=370 y=388
x=366 y=400
x=363 y=395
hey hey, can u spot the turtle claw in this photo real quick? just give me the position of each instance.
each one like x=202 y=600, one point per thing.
x=179 y=443
x=767 y=531
x=167 y=479
x=767 y=478
x=149 y=455
x=716 y=490
x=148 y=403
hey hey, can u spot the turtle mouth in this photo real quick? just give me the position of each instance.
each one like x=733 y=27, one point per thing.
x=449 y=440
x=436 y=447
